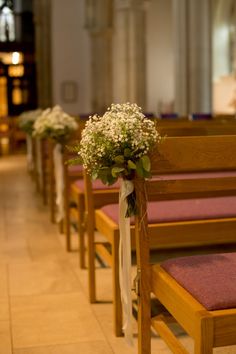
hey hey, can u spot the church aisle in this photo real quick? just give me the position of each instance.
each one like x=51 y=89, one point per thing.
x=43 y=307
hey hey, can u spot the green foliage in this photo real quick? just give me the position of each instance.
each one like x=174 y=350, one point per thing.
x=132 y=165
x=146 y=163
x=27 y=126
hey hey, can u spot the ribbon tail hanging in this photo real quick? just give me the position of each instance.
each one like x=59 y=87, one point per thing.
x=59 y=181
x=127 y=188
x=39 y=162
x=29 y=152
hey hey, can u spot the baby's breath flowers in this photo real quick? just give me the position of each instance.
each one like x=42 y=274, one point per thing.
x=55 y=123
x=117 y=144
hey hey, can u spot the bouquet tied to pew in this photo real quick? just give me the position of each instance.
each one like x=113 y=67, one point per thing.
x=116 y=145
x=55 y=124
x=26 y=122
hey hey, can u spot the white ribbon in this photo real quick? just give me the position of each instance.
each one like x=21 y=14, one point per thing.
x=39 y=162
x=127 y=188
x=59 y=181
x=30 y=161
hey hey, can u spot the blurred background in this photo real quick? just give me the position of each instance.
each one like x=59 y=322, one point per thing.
x=166 y=55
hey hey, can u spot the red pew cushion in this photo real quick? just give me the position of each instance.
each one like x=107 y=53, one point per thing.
x=97 y=185
x=211 y=279
x=183 y=209
x=75 y=168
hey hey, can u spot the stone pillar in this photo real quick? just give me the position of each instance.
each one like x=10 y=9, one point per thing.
x=99 y=26
x=42 y=14
x=129 y=50
x=193 y=61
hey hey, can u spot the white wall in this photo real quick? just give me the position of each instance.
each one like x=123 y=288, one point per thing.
x=221 y=38
x=160 y=54
x=70 y=55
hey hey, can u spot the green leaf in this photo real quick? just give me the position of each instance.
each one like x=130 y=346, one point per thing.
x=104 y=179
x=103 y=173
x=146 y=163
x=147 y=174
x=131 y=165
x=127 y=152
x=139 y=168
x=116 y=170
x=94 y=175
x=119 y=159
x=111 y=180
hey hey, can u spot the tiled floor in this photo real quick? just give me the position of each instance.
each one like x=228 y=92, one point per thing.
x=43 y=294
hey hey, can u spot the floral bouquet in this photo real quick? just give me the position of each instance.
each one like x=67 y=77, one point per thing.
x=56 y=124
x=27 y=120
x=26 y=123
x=116 y=145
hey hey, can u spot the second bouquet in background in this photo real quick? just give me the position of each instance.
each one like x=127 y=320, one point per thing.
x=55 y=124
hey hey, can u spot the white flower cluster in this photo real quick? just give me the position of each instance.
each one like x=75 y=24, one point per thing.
x=54 y=123
x=122 y=130
x=27 y=119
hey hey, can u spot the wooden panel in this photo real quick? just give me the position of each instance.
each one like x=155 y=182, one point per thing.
x=190 y=188
x=192 y=233
x=104 y=197
x=224 y=327
x=189 y=154
x=196 y=128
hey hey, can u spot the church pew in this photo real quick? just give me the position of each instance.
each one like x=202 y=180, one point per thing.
x=165 y=232
x=75 y=194
x=198 y=291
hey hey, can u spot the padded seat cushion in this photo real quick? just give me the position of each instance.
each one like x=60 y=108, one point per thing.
x=182 y=210
x=211 y=279
x=75 y=168
x=97 y=185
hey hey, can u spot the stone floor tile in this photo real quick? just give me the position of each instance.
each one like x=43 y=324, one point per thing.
x=53 y=319
x=5 y=338
x=93 y=347
x=3 y=279
x=103 y=313
x=36 y=278
x=4 y=309
x=14 y=251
